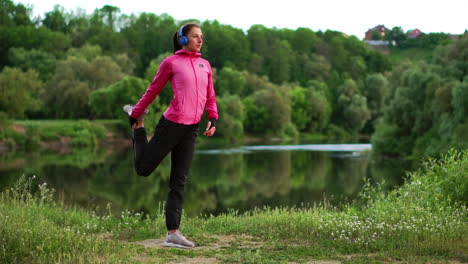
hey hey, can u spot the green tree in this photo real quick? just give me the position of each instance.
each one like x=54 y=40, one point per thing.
x=107 y=102
x=74 y=79
x=309 y=67
x=281 y=62
x=268 y=111
x=396 y=35
x=20 y=92
x=352 y=111
x=109 y=14
x=148 y=36
x=231 y=109
x=55 y=20
x=460 y=101
x=375 y=88
x=304 y=40
x=40 y=61
x=377 y=62
x=300 y=116
x=230 y=81
x=311 y=110
x=14 y=15
x=225 y=45
x=425 y=110
x=321 y=112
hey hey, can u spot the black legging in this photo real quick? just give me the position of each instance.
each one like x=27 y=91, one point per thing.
x=180 y=141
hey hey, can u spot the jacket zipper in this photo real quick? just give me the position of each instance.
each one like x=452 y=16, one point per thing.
x=196 y=86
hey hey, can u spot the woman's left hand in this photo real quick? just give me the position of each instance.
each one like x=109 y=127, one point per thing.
x=210 y=130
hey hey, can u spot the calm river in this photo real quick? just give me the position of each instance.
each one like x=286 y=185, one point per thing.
x=239 y=179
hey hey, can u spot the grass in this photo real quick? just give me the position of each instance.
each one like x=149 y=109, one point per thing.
x=31 y=134
x=425 y=220
x=412 y=54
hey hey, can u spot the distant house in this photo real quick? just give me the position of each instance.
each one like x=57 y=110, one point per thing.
x=414 y=33
x=381 y=31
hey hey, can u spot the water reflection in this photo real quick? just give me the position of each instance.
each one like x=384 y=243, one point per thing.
x=239 y=179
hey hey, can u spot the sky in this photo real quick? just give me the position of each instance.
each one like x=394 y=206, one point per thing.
x=352 y=17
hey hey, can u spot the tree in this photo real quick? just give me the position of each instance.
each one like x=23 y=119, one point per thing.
x=110 y=14
x=230 y=81
x=40 y=61
x=352 y=112
x=426 y=109
x=302 y=109
x=225 y=46
x=375 y=89
x=311 y=109
x=396 y=35
x=14 y=15
x=377 y=62
x=356 y=113
x=107 y=102
x=74 y=79
x=268 y=110
x=304 y=40
x=460 y=101
x=321 y=111
x=148 y=36
x=20 y=92
x=55 y=20
x=281 y=62
x=231 y=109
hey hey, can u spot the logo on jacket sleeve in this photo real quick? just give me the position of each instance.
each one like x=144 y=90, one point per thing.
x=200 y=65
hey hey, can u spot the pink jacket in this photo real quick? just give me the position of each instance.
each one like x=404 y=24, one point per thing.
x=192 y=86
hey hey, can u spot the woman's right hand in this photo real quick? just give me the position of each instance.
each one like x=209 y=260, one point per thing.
x=210 y=128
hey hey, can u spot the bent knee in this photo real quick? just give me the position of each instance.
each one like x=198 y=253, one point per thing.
x=145 y=172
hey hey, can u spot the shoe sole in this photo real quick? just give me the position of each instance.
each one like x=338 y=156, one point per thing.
x=142 y=117
x=168 y=244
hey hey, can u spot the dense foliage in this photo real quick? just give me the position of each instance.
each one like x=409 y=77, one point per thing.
x=426 y=111
x=269 y=81
x=78 y=61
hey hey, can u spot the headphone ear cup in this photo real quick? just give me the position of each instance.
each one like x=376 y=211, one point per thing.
x=183 y=40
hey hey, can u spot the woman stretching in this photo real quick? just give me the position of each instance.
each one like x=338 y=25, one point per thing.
x=177 y=130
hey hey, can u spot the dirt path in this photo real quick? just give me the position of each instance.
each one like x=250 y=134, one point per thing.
x=220 y=242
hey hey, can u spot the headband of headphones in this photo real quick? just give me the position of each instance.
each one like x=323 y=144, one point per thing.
x=183 y=40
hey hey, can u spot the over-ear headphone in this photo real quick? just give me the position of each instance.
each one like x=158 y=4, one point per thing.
x=183 y=40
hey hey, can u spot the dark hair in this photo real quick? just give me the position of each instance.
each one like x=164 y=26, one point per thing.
x=175 y=38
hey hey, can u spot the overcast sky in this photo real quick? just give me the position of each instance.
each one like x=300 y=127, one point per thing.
x=353 y=17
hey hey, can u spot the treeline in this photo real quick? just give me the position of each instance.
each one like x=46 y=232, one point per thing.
x=426 y=109
x=269 y=81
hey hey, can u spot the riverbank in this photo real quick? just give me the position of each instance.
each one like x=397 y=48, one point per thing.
x=424 y=221
x=62 y=136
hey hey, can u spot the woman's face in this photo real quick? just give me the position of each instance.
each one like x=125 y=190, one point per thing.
x=195 y=38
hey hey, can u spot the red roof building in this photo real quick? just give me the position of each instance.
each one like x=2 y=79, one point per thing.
x=414 y=33
x=381 y=29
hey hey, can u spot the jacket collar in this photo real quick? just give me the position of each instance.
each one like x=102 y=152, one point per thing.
x=186 y=52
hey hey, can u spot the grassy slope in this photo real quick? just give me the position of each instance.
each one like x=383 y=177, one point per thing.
x=412 y=54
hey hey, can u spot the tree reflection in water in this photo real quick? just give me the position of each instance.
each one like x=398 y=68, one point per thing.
x=239 y=180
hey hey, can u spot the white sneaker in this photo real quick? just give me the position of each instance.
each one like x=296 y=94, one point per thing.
x=178 y=240
x=129 y=108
